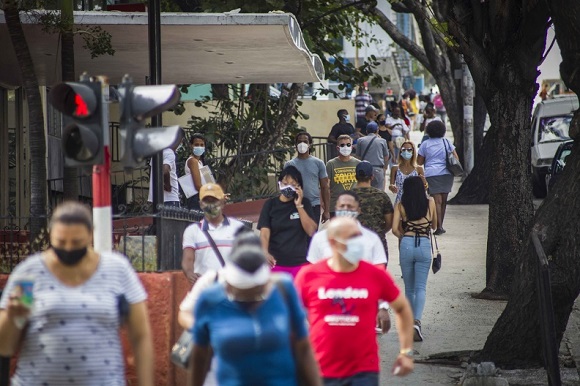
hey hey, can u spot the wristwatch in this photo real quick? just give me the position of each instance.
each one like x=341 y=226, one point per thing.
x=407 y=352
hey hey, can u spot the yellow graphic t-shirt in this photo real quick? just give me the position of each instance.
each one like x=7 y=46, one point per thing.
x=342 y=176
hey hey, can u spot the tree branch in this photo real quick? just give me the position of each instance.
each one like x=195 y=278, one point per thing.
x=399 y=7
x=345 y=4
x=407 y=44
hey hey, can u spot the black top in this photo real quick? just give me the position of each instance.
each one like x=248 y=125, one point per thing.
x=385 y=135
x=421 y=230
x=288 y=240
x=362 y=124
x=340 y=129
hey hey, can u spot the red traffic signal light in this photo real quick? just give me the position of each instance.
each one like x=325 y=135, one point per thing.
x=77 y=100
x=82 y=137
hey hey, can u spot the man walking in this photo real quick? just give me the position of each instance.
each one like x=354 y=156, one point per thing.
x=371 y=113
x=348 y=205
x=374 y=149
x=314 y=176
x=170 y=184
x=361 y=101
x=376 y=209
x=342 y=127
x=202 y=241
x=341 y=170
x=341 y=296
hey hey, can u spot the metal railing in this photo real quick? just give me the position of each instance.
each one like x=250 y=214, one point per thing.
x=133 y=235
x=546 y=314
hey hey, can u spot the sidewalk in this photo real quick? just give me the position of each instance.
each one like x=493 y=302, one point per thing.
x=453 y=320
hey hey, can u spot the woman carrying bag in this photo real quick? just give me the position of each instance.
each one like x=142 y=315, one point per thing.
x=405 y=168
x=415 y=216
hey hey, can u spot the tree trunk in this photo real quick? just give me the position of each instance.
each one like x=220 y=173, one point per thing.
x=516 y=333
x=509 y=188
x=37 y=135
x=515 y=338
x=67 y=56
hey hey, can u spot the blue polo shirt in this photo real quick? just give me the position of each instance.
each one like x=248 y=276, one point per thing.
x=252 y=347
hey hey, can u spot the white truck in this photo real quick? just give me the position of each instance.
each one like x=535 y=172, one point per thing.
x=550 y=124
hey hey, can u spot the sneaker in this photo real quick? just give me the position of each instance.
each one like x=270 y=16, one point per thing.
x=439 y=231
x=417 y=335
x=379 y=330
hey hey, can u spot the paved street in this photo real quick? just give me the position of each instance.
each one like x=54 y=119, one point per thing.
x=453 y=320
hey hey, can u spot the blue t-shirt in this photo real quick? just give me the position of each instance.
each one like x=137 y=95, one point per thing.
x=252 y=348
x=433 y=149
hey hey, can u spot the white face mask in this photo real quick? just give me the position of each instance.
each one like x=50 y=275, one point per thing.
x=345 y=151
x=347 y=117
x=354 y=249
x=302 y=147
x=346 y=213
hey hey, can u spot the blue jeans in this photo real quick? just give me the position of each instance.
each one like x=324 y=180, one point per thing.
x=415 y=264
x=360 y=379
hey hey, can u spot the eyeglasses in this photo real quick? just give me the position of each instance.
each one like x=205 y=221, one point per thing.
x=345 y=144
x=407 y=150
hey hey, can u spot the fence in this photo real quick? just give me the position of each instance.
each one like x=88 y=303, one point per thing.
x=546 y=314
x=133 y=235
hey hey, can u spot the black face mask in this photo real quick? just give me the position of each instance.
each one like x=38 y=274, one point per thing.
x=288 y=193
x=70 y=258
x=383 y=122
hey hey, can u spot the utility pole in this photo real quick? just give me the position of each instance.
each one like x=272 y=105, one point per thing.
x=467 y=87
x=102 y=210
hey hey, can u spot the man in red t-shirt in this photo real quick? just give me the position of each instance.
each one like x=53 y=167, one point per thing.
x=341 y=296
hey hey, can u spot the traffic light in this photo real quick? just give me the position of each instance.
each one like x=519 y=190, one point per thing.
x=137 y=104
x=81 y=106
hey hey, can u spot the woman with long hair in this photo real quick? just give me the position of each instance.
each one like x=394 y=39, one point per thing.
x=192 y=167
x=406 y=167
x=415 y=216
x=433 y=154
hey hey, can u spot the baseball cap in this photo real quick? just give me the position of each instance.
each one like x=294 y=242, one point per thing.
x=364 y=169
x=372 y=127
x=370 y=108
x=211 y=190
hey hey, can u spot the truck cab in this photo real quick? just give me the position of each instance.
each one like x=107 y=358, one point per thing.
x=550 y=124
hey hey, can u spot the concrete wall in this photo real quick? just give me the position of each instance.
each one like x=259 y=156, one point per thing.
x=165 y=291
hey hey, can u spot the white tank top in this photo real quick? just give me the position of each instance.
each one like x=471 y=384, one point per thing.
x=188 y=171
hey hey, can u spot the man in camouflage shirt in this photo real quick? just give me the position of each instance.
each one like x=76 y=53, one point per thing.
x=376 y=209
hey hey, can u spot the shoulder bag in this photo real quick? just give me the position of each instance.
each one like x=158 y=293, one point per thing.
x=436 y=258
x=181 y=351
x=453 y=164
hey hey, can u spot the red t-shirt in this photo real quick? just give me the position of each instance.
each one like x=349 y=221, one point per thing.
x=342 y=311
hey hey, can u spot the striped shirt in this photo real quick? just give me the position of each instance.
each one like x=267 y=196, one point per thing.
x=73 y=333
x=222 y=235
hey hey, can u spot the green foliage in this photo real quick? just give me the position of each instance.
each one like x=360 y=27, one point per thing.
x=239 y=134
x=442 y=28
x=96 y=39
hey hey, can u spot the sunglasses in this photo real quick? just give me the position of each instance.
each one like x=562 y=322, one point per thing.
x=345 y=144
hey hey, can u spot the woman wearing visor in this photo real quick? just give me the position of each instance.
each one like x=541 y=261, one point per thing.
x=255 y=325
x=287 y=223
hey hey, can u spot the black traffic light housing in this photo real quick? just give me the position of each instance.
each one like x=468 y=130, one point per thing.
x=81 y=106
x=137 y=103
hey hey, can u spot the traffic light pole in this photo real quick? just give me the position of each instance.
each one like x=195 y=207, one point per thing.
x=154 y=19
x=102 y=212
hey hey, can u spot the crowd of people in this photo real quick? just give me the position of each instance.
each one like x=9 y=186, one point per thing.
x=299 y=301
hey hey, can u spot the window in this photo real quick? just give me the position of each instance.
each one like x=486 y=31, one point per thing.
x=554 y=129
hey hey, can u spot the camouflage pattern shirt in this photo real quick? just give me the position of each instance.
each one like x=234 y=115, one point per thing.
x=374 y=205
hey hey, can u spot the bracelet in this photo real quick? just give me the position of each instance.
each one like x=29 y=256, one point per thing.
x=299 y=206
x=407 y=352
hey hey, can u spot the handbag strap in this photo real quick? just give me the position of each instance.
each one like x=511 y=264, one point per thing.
x=433 y=238
x=368 y=147
x=213 y=246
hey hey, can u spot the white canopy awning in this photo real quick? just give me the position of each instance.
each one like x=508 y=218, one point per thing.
x=196 y=48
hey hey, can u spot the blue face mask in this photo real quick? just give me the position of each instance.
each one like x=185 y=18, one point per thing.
x=407 y=154
x=198 y=150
